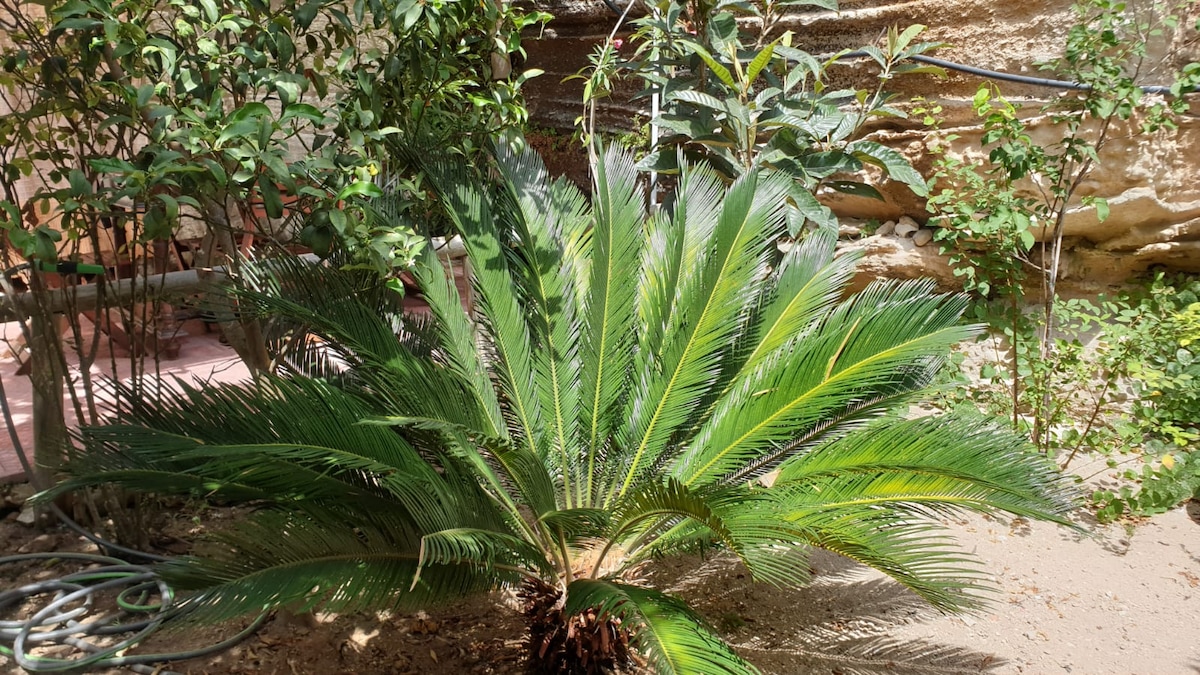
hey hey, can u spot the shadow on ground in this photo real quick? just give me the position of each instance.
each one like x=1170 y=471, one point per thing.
x=839 y=623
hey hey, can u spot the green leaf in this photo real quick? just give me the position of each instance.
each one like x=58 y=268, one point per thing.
x=715 y=66
x=144 y=94
x=830 y=5
x=303 y=111
x=825 y=164
x=250 y=111
x=306 y=13
x=155 y=225
x=170 y=206
x=45 y=244
x=272 y=200
x=902 y=41
x=237 y=129
x=760 y=61
x=210 y=10
x=890 y=160
x=701 y=99
x=360 y=188
x=852 y=187
x=1027 y=241
x=77 y=23
x=80 y=185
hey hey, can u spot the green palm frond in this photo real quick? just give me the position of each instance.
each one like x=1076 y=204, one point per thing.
x=549 y=262
x=673 y=637
x=823 y=649
x=654 y=506
x=457 y=338
x=483 y=548
x=296 y=441
x=287 y=559
x=913 y=551
x=609 y=319
x=502 y=317
x=930 y=463
x=809 y=282
x=748 y=521
x=871 y=349
x=867 y=496
x=699 y=332
x=499 y=464
x=351 y=309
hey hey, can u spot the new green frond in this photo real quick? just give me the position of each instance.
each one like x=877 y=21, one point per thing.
x=675 y=640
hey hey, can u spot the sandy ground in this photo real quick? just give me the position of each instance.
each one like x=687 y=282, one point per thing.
x=1123 y=599
x=1118 y=601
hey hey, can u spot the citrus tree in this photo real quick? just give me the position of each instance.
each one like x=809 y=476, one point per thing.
x=134 y=116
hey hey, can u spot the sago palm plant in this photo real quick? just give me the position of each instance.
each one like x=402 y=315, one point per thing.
x=631 y=385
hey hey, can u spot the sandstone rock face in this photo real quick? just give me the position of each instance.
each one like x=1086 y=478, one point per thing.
x=889 y=256
x=1151 y=181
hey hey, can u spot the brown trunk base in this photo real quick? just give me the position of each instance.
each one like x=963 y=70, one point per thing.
x=583 y=644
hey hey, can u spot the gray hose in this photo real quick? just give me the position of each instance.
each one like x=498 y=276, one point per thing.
x=66 y=618
x=144 y=605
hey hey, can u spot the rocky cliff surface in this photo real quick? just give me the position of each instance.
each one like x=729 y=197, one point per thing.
x=1151 y=181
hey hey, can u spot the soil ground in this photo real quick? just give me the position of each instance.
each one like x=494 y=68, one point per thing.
x=1119 y=600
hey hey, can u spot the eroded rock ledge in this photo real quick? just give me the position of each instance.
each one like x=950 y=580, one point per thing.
x=1151 y=182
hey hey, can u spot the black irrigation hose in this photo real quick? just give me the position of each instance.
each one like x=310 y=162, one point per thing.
x=1020 y=79
x=109 y=547
x=144 y=603
x=985 y=73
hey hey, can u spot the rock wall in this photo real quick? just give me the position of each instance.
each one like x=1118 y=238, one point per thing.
x=1152 y=182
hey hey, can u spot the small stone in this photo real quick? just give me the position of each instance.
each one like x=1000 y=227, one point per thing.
x=18 y=495
x=922 y=237
x=28 y=516
x=849 y=229
x=886 y=228
x=43 y=543
x=906 y=227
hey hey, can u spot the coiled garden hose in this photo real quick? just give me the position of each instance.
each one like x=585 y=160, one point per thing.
x=144 y=602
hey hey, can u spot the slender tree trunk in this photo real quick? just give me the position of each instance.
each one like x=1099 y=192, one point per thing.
x=244 y=335
x=47 y=378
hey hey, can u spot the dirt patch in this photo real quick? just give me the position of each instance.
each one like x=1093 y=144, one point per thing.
x=1121 y=600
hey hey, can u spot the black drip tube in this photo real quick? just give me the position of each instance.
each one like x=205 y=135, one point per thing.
x=1065 y=85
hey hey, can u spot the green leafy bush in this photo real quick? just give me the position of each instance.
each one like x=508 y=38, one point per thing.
x=742 y=101
x=222 y=110
x=1163 y=365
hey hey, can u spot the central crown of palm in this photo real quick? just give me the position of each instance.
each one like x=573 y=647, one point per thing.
x=631 y=385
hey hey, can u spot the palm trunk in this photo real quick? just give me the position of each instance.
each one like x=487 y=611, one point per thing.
x=584 y=644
